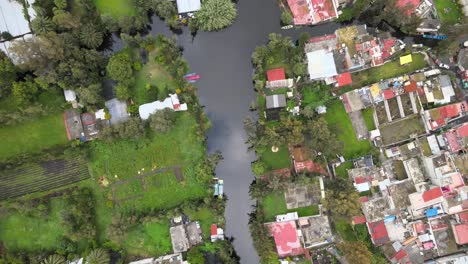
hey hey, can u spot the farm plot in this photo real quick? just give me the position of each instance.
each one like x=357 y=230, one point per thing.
x=41 y=177
x=402 y=129
x=406 y=103
x=394 y=110
x=381 y=113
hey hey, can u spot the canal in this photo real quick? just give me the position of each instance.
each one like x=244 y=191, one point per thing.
x=226 y=90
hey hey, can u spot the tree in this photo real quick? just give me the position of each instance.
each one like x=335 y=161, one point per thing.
x=356 y=252
x=8 y=74
x=122 y=91
x=24 y=91
x=321 y=139
x=286 y=18
x=216 y=14
x=162 y=121
x=54 y=259
x=98 y=256
x=259 y=167
x=342 y=199
x=195 y=256
x=91 y=37
x=131 y=129
x=293 y=130
x=41 y=25
x=119 y=67
x=5 y=35
x=90 y=95
x=164 y=9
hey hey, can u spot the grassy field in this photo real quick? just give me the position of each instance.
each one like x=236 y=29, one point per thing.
x=276 y=160
x=180 y=146
x=32 y=136
x=115 y=8
x=274 y=204
x=339 y=122
x=449 y=11
x=154 y=75
x=342 y=170
x=19 y=231
x=402 y=129
x=151 y=238
x=368 y=115
x=386 y=71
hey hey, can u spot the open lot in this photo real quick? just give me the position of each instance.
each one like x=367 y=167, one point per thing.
x=339 y=122
x=449 y=11
x=275 y=204
x=276 y=160
x=401 y=129
x=342 y=170
x=32 y=136
x=368 y=115
x=151 y=80
x=115 y=8
x=386 y=71
x=122 y=160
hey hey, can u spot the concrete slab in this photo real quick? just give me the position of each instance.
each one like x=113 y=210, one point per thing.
x=387 y=111
x=400 y=107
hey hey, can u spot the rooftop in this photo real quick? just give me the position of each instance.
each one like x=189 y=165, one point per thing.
x=374 y=209
x=321 y=64
x=378 y=233
x=286 y=239
x=315 y=230
x=275 y=101
x=187 y=6
x=398 y=193
x=276 y=74
x=344 y=79
x=300 y=196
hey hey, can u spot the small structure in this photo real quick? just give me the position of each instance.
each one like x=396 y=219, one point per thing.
x=321 y=109
x=171 y=102
x=73 y=124
x=70 y=96
x=188 y=6
x=321 y=65
x=217 y=233
x=406 y=59
x=117 y=110
x=286 y=238
x=275 y=101
x=194 y=233
x=287 y=217
x=315 y=231
x=344 y=79
x=276 y=78
x=219 y=188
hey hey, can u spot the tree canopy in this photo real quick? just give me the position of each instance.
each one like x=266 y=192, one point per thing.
x=356 y=252
x=216 y=14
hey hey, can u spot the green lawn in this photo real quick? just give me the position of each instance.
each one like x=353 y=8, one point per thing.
x=339 y=122
x=274 y=204
x=276 y=160
x=115 y=8
x=151 y=238
x=19 y=231
x=449 y=11
x=32 y=136
x=342 y=170
x=368 y=115
x=386 y=71
x=154 y=75
x=180 y=146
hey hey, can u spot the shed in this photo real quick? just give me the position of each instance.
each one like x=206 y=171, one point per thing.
x=406 y=59
x=275 y=101
x=70 y=95
x=187 y=6
x=276 y=74
x=344 y=79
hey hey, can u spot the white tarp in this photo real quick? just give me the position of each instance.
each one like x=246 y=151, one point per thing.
x=321 y=64
x=187 y=6
x=171 y=102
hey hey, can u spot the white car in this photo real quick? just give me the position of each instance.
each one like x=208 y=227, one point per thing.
x=445 y=66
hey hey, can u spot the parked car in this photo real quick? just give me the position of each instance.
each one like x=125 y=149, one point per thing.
x=443 y=65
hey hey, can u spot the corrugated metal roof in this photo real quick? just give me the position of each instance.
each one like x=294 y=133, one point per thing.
x=186 y=6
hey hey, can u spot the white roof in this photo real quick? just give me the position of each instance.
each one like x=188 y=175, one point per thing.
x=186 y=6
x=432 y=140
x=362 y=187
x=143 y=261
x=100 y=114
x=321 y=64
x=171 y=102
x=70 y=95
x=12 y=18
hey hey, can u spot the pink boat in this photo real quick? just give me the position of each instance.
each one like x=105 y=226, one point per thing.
x=193 y=77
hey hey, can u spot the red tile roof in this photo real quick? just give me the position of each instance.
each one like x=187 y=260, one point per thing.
x=400 y=254
x=463 y=130
x=301 y=12
x=432 y=194
x=452 y=140
x=461 y=233
x=411 y=87
x=463 y=217
x=363 y=199
x=420 y=227
x=286 y=239
x=388 y=94
x=214 y=230
x=276 y=74
x=362 y=179
x=387 y=47
x=323 y=9
x=378 y=232
x=412 y=3
x=322 y=38
x=359 y=219
x=344 y=79
x=450 y=111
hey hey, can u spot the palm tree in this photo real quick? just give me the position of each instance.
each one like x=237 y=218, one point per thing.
x=42 y=24
x=54 y=259
x=216 y=14
x=91 y=37
x=98 y=256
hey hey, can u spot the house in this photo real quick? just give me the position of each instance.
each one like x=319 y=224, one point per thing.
x=439 y=117
x=180 y=242
x=276 y=78
x=344 y=79
x=70 y=96
x=313 y=11
x=275 y=101
x=321 y=65
x=14 y=21
x=378 y=232
x=315 y=231
x=217 y=233
x=286 y=238
x=456 y=139
x=194 y=233
x=375 y=209
x=188 y=6
x=171 y=102
x=297 y=196
x=73 y=124
x=185 y=234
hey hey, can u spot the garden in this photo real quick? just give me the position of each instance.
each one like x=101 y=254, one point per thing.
x=449 y=11
x=115 y=8
x=274 y=204
x=339 y=122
